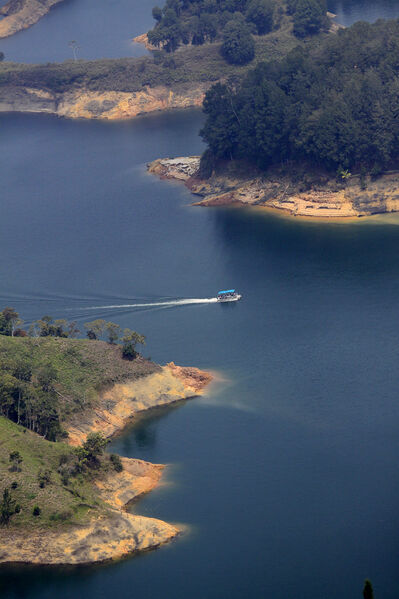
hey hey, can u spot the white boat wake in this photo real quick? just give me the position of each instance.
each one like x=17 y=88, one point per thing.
x=169 y=303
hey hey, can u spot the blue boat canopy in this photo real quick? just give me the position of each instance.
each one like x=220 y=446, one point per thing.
x=227 y=291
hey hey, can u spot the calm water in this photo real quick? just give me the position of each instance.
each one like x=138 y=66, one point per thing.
x=286 y=472
x=104 y=29
x=101 y=29
x=349 y=11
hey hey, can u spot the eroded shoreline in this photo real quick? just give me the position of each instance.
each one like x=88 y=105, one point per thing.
x=21 y=14
x=118 y=533
x=276 y=191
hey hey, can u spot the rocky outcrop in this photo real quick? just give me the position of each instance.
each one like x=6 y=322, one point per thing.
x=322 y=198
x=21 y=14
x=143 y=39
x=120 y=404
x=113 y=535
x=111 y=105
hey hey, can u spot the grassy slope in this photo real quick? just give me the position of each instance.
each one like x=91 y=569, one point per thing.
x=59 y=504
x=83 y=367
x=192 y=64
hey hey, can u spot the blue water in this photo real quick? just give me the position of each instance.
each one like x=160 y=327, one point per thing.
x=105 y=29
x=101 y=30
x=349 y=11
x=286 y=472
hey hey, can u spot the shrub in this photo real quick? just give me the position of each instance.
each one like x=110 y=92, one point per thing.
x=238 y=45
x=36 y=510
x=116 y=462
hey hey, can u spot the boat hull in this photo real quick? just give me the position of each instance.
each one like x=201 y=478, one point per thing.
x=229 y=299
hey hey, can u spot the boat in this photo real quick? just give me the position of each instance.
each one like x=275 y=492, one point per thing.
x=230 y=295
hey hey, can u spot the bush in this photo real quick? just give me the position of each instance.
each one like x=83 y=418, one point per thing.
x=116 y=462
x=260 y=13
x=238 y=45
x=36 y=510
x=207 y=164
x=309 y=17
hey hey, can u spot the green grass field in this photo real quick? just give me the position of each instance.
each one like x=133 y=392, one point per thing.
x=83 y=367
x=59 y=504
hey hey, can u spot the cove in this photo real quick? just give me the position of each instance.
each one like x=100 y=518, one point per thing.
x=285 y=473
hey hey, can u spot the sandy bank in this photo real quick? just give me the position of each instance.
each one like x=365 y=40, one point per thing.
x=110 y=105
x=322 y=199
x=21 y=14
x=120 y=404
x=114 y=533
x=107 y=537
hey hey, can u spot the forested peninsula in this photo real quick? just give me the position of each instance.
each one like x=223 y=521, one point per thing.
x=314 y=134
x=63 y=497
x=195 y=44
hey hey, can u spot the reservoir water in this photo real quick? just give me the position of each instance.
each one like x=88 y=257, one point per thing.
x=105 y=29
x=285 y=473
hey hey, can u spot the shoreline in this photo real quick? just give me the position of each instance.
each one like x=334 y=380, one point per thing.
x=107 y=105
x=19 y=15
x=117 y=533
x=328 y=201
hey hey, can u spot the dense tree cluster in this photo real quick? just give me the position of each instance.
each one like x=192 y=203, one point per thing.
x=309 y=16
x=334 y=103
x=199 y=21
x=30 y=399
x=232 y=21
x=29 y=394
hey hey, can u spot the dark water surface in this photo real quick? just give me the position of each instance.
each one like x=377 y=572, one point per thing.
x=105 y=28
x=101 y=29
x=349 y=11
x=286 y=472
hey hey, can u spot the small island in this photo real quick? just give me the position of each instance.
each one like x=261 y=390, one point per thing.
x=64 y=498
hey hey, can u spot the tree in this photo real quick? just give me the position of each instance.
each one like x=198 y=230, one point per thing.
x=7 y=507
x=91 y=449
x=16 y=461
x=309 y=17
x=113 y=332
x=46 y=376
x=260 y=13
x=11 y=320
x=44 y=325
x=238 y=46
x=222 y=127
x=368 y=592
x=157 y=13
x=130 y=339
x=73 y=330
x=95 y=328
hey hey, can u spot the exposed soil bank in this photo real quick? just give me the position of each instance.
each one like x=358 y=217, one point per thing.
x=109 y=105
x=104 y=538
x=120 y=404
x=323 y=198
x=21 y=14
x=117 y=533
